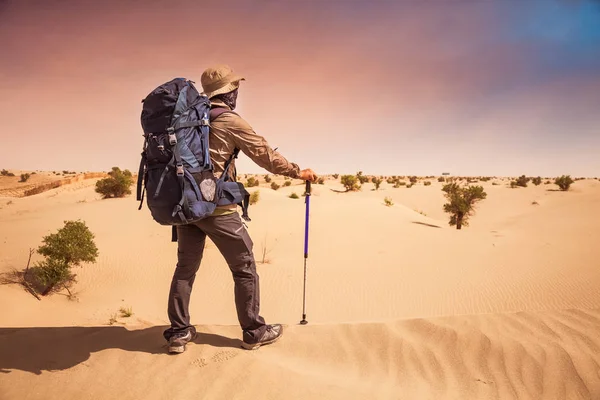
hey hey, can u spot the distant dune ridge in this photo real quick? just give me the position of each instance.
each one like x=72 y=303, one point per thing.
x=400 y=304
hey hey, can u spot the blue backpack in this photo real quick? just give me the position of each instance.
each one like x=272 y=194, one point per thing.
x=176 y=169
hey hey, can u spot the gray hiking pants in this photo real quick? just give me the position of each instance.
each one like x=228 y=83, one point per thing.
x=233 y=241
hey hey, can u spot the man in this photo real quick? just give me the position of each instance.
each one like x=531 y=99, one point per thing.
x=228 y=131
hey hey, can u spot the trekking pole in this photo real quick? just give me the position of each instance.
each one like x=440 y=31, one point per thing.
x=307 y=201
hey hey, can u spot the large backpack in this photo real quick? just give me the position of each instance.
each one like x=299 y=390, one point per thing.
x=176 y=169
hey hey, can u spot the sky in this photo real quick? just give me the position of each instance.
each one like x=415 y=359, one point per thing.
x=468 y=87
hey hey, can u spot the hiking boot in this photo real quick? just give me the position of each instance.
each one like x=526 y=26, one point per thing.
x=272 y=334
x=177 y=342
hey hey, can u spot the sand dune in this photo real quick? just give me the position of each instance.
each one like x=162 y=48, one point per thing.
x=544 y=355
x=401 y=305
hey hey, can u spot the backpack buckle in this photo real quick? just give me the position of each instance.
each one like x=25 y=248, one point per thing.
x=180 y=171
x=172 y=139
x=204 y=121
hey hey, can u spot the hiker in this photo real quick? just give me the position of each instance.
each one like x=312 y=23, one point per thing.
x=224 y=227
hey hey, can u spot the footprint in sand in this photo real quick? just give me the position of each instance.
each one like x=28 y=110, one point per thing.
x=199 y=362
x=223 y=356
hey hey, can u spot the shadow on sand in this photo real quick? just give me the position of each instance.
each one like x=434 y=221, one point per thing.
x=429 y=225
x=51 y=349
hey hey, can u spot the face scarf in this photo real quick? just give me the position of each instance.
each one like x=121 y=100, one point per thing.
x=228 y=98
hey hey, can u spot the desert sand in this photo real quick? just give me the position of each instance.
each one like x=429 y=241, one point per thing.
x=400 y=305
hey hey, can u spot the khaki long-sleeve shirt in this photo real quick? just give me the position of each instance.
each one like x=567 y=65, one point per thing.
x=230 y=131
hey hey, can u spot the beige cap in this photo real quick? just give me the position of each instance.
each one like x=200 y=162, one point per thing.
x=219 y=79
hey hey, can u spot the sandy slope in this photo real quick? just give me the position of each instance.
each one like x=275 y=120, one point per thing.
x=400 y=304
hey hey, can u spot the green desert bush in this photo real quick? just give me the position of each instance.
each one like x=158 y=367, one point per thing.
x=563 y=182
x=361 y=178
x=410 y=185
x=117 y=184
x=413 y=179
x=350 y=183
x=427 y=183
x=335 y=176
x=522 y=181
x=294 y=196
x=321 y=181
x=24 y=177
x=377 y=182
x=251 y=182
x=287 y=183
x=537 y=181
x=267 y=178
x=441 y=179
x=274 y=186
x=72 y=245
x=388 y=201
x=5 y=172
x=461 y=202
x=254 y=197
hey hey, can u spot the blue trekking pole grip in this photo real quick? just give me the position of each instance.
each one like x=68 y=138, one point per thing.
x=307 y=202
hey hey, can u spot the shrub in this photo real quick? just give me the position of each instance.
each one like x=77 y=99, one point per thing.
x=390 y=181
x=547 y=182
x=24 y=177
x=287 y=183
x=254 y=196
x=294 y=196
x=69 y=247
x=335 y=176
x=441 y=179
x=513 y=184
x=126 y=312
x=388 y=201
x=564 y=182
x=6 y=173
x=485 y=178
x=413 y=179
x=427 y=183
x=274 y=186
x=118 y=184
x=522 y=181
x=350 y=183
x=377 y=182
x=251 y=182
x=361 y=178
x=321 y=181
x=537 y=181
x=495 y=183
x=267 y=178
x=461 y=202
x=409 y=186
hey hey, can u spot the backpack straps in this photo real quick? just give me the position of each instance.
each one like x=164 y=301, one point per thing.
x=214 y=114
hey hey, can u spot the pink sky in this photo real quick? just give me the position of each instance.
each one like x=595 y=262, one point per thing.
x=384 y=88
